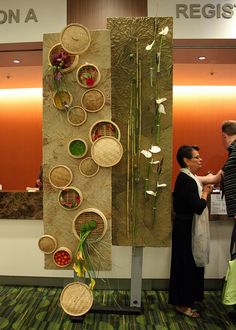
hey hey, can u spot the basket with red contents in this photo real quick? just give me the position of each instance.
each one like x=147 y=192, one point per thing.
x=62 y=257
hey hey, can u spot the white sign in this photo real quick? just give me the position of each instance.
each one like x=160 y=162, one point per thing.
x=28 y=20
x=201 y=19
x=218 y=206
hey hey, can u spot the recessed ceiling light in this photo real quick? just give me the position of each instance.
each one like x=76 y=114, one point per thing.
x=201 y=58
x=16 y=61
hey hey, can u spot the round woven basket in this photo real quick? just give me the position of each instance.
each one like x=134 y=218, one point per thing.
x=60 y=176
x=77 y=148
x=76 y=116
x=62 y=100
x=107 y=151
x=57 y=51
x=88 y=167
x=93 y=100
x=47 y=244
x=70 y=198
x=76 y=299
x=86 y=216
x=88 y=75
x=62 y=257
x=75 y=38
x=103 y=128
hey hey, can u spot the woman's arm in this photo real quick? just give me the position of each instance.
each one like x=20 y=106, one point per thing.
x=211 y=178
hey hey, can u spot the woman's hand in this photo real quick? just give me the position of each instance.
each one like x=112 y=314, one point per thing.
x=206 y=190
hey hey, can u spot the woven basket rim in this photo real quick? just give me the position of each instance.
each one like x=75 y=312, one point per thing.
x=74 y=63
x=65 y=301
x=79 y=156
x=89 y=91
x=98 y=76
x=71 y=188
x=108 y=121
x=84 y=112
x=58 y=92
x=66 y=249
x=100 y=159
x=83 y=161
x=82 y=27
x=65 y=167
x=51 y=238
x=98 y=212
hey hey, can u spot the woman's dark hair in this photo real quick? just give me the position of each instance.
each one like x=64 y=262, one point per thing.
x=185 y=152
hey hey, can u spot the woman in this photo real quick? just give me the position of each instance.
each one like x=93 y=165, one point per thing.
x=186 y=279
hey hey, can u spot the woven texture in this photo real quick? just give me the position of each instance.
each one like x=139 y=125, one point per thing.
x=60 y=176
x=76 y=299
x=47 y=244
x=75 y=38
x=76 y=116
x=93 y=100
x=107 y=151
x=88 y=167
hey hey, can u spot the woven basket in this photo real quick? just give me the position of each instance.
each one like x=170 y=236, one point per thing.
x=58 y=49
x=88 y=75
x=103 y=128
x=77 y=148
x=86 y=216
x=76 y=116
x=88 y=167
x=70 y=198
x=75 y=38
x=62 y=257
x=76 y=299
x=47 y=244
x=60 y=176
x=93 y=100
x=107 y=151
x=62 y=100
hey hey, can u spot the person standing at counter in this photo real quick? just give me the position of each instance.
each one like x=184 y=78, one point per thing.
x=189 y=198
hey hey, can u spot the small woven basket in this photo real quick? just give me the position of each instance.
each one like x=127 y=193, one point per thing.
x=93 y=100
x=107 y=151
x=47 y=244
x=86 y=216
x=77 y=148
x=62 y=257
x=103 y=128
x=76 y=116
x=56 y=51
x=76 y=299
x=70 y=198
x=62 y=100
x=60 y=176
x=88 y=167
x=75 y=38
x=88 y=75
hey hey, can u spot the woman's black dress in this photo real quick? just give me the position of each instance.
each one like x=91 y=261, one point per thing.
x=186 y=279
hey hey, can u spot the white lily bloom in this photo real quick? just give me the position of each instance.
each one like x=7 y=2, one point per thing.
x=155 y=162
x=149 y=47
x=164 y=31
x=150 y=192
x=159 y=101
x=161 y=185
x=155 y=149
x=161 y=109
x=146 y=153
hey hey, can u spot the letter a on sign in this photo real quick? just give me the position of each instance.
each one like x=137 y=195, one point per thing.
x=31 y=15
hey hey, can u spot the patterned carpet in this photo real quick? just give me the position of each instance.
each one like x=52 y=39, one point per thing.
x=32 y=308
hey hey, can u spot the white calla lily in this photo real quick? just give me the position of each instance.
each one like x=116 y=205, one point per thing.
x=150 y=192
x=149 y=47
x=146 y=153
x=159 y=101
x=155 y=149
x=161 y=109
x=161 y=185
x=155 y=162
x=164 y=31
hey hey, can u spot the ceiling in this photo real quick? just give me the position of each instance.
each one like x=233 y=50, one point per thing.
x=219 y=67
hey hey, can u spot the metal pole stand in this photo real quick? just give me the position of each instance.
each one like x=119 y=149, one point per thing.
x=136 y=276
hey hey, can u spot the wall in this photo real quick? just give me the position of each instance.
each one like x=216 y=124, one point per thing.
x=20 y=255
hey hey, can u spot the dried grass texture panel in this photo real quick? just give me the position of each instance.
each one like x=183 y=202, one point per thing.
x=57 y=132
x=133 y=222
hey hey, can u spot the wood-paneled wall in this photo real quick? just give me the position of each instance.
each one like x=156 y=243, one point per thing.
x=93 y=13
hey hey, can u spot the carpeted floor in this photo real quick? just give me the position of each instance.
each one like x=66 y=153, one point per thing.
x=32 y=308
